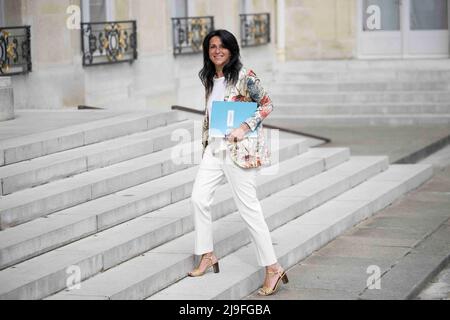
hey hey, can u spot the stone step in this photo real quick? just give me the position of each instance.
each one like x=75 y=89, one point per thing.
x=6 y=99
x=306 y=87
x=27 y=205
x=298 y=75
x=38 y=171
x=360 y=120
x=42 y=235
x=363 y=97
x=37 y=145
x=366 y=65
x=170 y=262
x=305 y=109
x=294 y=241
x=51 y=277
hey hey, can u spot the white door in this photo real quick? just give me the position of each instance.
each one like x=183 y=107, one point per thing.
x=403 y=28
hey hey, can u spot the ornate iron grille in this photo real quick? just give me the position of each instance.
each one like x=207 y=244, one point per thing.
x=108 y=42
x=15 y=50
x=255 y=29
x=189 y=33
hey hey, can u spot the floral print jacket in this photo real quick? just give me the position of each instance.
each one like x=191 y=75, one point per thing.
x=250 y=152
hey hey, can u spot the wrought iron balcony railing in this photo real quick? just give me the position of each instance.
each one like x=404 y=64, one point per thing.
x=15 y=50
x=255 y=29
x=108 y=42
x=189 y=32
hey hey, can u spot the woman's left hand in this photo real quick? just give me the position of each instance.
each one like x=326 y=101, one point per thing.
x=238 y=134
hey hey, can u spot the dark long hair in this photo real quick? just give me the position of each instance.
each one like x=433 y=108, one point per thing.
x=230 y=70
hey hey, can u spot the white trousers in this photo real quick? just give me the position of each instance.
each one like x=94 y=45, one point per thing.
x=213 y=168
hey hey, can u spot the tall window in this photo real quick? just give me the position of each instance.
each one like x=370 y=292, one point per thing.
x=245 y=6
x=98 y=10
x=180 y=8
x=429 y=15
x=2 y=15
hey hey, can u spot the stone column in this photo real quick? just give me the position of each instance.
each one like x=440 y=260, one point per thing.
x=281 y=31
x=6 y=99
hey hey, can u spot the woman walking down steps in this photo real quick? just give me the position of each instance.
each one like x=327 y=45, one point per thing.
x=238 y=158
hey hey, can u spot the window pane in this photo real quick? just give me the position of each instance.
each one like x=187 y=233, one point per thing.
x=244 y=6
x=429 y=15
x=97 y=10
x=180 y=8
x=2 y=17
x=386 y=16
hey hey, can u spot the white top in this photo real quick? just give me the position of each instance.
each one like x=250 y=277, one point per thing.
x=217 y=94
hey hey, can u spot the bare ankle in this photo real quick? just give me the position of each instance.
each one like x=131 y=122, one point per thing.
x=208 y=255
x=274 y=267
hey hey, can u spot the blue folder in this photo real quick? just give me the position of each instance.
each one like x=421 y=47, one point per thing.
x=226 y=116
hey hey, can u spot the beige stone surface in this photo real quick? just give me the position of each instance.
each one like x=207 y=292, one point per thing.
x=52 y=43
x=154 y=25
x=320 y=29
x=122 y=9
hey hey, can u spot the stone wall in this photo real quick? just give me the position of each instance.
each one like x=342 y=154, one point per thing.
x=323 y=29
x=157 y=78
x=57 y=79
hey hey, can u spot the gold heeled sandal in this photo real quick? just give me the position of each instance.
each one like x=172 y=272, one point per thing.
x=197 y=273
x=265 y=291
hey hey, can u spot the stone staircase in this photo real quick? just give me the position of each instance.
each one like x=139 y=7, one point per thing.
x=379 y=92
x=104 y=201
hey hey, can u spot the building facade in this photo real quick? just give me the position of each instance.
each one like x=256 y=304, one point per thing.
x=149 y=59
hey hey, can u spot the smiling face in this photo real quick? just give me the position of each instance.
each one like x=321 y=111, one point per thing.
x=219 y=55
